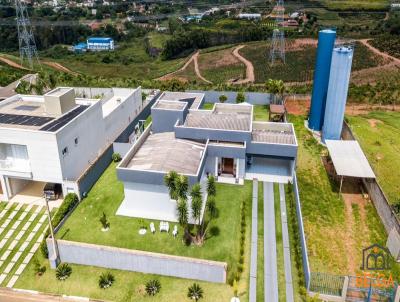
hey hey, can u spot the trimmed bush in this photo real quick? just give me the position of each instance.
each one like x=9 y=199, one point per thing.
x=70 y=201
x=153 y=287
x=116 y=157
x=63 y=272
x=106 y=280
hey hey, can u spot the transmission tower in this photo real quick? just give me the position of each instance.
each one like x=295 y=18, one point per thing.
x=278 y=35
x=26 y=40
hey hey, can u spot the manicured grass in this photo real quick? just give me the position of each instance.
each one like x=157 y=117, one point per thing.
x=378 y=134
x=106 y=196
x=279 y=246
x=128 y=286
x=260 y=244
x=260 y=112
x=333 y=240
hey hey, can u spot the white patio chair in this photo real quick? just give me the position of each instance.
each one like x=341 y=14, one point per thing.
x=175 y=231
x=152 y=228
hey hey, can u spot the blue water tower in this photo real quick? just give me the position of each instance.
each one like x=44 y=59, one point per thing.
x=326 y=41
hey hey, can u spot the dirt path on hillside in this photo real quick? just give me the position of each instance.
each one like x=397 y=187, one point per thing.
x=12 y=63
x=195 y=59
x=378 y=52
x=249 y=66
x=59 y=67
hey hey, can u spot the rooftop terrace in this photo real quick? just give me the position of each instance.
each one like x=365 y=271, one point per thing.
x=163 y=152
x=196 y=98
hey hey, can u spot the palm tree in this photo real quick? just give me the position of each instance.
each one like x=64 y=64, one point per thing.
x=276 y=87
x=195 y=292
x=196 y=191
x=182 y=210
x=170 y=182
x=182 y=186
x=211 y=188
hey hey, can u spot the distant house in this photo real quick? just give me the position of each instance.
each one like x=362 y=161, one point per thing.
x=80 y=47
x=98 y=44
x=250 y=16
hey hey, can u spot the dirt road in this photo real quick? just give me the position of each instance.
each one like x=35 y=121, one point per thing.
x=59 y=67
x=12 y=63
x=378 y=52
x=249 y=66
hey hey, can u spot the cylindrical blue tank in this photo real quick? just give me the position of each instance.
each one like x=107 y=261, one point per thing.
x=326 y=41
x=339 y=79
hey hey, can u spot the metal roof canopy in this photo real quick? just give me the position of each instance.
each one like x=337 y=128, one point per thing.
x=349 y=159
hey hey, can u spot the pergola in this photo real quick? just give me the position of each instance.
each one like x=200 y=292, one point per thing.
x=349 y=160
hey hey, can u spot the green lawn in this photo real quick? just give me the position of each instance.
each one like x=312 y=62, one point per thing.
x=260 y=112
x=378 y=134
x=128 y=286
x=260 y=244
x=279 y=246
x=107 y=194
x=335 y=239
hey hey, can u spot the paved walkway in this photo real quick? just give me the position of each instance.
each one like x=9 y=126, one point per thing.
x=270 y=258
x=286 y=246
x=254 y=244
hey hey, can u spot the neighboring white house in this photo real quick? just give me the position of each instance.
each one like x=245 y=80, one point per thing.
x=58 y=136
x=97 y=44
x=250 y=16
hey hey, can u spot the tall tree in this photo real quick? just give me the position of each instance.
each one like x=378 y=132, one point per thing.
x=182 y=186
x=170 y=182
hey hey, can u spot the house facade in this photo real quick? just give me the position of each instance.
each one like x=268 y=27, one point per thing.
x=98 y=44
x=224 y=142
x=56 y=137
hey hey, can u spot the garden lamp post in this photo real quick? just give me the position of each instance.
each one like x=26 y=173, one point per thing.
x=55 y=249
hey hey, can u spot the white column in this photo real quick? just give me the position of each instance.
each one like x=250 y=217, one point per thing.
x=5 y=188
x=216 y=166
x=237 y=167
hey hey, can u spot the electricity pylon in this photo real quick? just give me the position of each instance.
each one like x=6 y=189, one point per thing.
x=278 y=35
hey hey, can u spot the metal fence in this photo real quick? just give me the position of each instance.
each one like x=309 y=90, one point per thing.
x=326 y=284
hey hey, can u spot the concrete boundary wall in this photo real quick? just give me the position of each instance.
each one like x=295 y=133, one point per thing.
x=140 y=261
x=303 y=242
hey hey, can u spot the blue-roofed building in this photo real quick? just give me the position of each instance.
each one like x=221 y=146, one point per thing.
x=99 y=43
x=80 y=47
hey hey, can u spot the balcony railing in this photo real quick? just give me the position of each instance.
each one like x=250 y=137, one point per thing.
x=16 y=165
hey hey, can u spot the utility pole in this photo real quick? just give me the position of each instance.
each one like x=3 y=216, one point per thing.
x=278 y=34
x=26 y=40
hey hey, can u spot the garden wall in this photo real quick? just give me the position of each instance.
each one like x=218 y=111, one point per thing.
x=303 y=243
x=255 y=98
x=140 y=261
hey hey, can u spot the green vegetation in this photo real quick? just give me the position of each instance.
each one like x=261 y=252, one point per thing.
x=279 y=245
x=356 y=4
x=127 y=287
x=9 y=74
x=300 y=63
x=260 y=244
x=260 y=112
x=388 y=44
x=106 y=196
x=378 y=134
x=334 y=240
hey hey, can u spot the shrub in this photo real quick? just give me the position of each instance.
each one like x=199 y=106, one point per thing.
x=106 y=280
x=63 y=272
x=195 y=292
x=38 y=269
x=153 y=287
x=240 y=268
x=222 y=98
x=104 y=222
x=70 y=201
x=116 y=157
x=240 y=98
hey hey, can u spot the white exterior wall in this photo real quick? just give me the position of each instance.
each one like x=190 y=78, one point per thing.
x=42 y=152
x=89 y=130
x=122 y=116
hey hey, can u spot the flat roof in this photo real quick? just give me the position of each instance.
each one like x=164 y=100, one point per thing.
x=223 y=116
x=196 y=98
x=274 y=133
x=163 y=152
x=59 y=91
x=349 y=159
x=172 y=105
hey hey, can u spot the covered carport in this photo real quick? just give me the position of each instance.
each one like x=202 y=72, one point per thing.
x=349 y=160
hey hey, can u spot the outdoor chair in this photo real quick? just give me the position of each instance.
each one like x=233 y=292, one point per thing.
x=152 y=228
x=164 y=226
x=175 y=231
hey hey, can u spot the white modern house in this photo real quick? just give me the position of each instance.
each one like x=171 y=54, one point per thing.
x=100 y=43
x=224 y=142
x=58 y=136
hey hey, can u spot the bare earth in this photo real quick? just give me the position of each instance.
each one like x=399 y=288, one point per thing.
x=58 y=66
x=249 y=66
x=12 y=63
